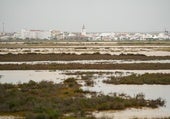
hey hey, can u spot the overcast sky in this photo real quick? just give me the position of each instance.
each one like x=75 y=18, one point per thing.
x=97 y=15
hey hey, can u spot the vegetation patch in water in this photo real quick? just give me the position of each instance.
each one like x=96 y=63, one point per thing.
x=54 y=66
x=147 y=78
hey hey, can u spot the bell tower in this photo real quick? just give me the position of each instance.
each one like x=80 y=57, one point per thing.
x=83 y=31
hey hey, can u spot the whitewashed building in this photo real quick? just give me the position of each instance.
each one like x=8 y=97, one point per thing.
x=35 y=34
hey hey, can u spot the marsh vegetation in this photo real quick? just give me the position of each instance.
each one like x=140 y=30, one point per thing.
x=54 y=66
x=49 y=100
x=147 y=78
x=71 y=57
x=68 y=98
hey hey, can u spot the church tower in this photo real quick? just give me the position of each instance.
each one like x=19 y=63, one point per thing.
x=83 y=31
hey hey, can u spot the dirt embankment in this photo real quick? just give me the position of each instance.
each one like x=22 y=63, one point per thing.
x=140 y=66
x=70 y=57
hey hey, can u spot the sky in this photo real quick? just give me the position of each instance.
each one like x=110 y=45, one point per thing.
x=96 y=15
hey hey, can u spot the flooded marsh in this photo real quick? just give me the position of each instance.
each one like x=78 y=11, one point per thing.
x=103 y=81
x=98 y=76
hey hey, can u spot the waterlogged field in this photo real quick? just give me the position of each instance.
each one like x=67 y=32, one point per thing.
x=153 y=48
x=113 y=50
x=85 y=80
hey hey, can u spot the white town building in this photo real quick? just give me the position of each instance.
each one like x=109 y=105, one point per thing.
x=35 y=34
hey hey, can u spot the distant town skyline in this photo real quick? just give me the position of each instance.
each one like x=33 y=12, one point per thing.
x=96 y=15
